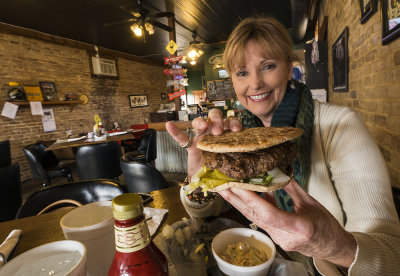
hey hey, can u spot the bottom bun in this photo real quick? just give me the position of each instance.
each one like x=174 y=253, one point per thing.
x=250 y=187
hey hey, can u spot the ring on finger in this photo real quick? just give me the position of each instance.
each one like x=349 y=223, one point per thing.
x=187 y=145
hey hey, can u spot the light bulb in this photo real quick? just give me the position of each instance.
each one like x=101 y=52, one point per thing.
x=192 y=53
x=193 y=62
x=136 y=30
x=149 y=28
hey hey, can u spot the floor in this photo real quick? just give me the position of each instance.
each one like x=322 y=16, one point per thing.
x=30 y=186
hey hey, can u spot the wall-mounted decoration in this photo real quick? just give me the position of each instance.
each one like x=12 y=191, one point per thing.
x=138 y=101
x=48 y=89
x=340 y=63
x=203 y=82
x=163 y=96
x=368 y=8
x=33 y=93
x=390 y=20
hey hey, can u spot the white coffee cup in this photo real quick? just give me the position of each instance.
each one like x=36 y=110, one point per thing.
x=93 y=225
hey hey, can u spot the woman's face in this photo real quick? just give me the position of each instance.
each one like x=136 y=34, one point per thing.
x=261 y=83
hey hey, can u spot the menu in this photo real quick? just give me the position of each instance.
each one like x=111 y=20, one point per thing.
x=220 y=89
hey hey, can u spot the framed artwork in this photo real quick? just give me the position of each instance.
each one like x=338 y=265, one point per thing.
x=203 y=82
x=340 y=62
x=48 y=90
x=368 y=8
x=390 y=20
x=138 y=101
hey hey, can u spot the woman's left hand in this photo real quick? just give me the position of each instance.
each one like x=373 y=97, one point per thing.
x=310 y=230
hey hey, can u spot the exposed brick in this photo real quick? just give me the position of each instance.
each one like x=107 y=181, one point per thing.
x=397 y=58
x=29 y=61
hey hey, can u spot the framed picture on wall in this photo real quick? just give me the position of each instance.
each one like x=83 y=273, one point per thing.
x=368 y=8
x=138 y=101
x=340 y=63
x=390 y=20
x=48 y=89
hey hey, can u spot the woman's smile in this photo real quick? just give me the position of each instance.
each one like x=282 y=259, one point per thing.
x=260 y=97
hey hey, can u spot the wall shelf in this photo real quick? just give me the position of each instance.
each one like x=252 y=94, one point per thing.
x=71 y=103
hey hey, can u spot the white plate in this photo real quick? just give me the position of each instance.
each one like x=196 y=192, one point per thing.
x=45 y=255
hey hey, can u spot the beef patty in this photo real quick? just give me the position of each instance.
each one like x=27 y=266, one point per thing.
x=241 y=165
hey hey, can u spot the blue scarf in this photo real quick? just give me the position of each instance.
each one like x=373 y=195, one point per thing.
x=296 y=110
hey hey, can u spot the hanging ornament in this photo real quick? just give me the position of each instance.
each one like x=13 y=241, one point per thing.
x=172 y=59
x=176 y=94
x=171 y=47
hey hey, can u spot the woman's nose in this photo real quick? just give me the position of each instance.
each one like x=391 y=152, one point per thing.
x=256 y=81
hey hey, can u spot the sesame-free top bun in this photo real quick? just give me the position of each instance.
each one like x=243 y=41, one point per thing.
x=249 y=139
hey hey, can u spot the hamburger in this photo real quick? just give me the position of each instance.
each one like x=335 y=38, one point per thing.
x=258 y=159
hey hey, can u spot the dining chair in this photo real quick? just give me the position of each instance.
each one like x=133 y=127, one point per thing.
x=5 y=154
x=99 y=161
x=10 y=192
x=147 y=149
x=75 y=194
x=142 y=177
x=44 y=164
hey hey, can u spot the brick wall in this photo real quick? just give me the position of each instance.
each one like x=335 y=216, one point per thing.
x=28 y=61
x=374 y=76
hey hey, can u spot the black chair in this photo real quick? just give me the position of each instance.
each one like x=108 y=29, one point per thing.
x=10 y=192
x=45 y=165
x=99 y=161
x=141 y=177
x=5 y=154
x=396 y=198
x=147 y=149
x=83 y=192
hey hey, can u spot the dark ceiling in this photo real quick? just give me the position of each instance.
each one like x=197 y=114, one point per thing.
x=83 y=20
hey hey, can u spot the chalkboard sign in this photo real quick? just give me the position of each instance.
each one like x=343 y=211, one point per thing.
x=220 y=89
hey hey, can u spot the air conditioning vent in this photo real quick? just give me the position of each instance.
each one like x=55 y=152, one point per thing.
x=105 y=67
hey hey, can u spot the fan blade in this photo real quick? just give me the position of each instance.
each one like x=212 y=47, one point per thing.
x=109 y=24
x=160 y=25
x=162 y=14
x=129 y=10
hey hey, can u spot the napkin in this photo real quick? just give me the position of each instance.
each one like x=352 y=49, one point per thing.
x=76 y=139
x=154 y=218
x=8 y=245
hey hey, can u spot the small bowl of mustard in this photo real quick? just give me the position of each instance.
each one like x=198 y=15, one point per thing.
x=243 y=252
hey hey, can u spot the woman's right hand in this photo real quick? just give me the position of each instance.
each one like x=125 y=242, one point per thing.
x=214 y=125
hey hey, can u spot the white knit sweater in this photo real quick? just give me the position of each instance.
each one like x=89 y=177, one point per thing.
x=350 y=179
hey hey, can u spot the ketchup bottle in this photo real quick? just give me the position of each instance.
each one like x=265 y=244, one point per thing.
x=135 y=253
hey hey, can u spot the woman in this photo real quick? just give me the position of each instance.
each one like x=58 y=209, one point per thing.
x=343 y=214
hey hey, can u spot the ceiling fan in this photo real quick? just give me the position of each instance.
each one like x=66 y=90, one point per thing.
x=142 y=19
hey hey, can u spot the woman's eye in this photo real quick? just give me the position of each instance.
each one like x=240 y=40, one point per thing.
x=241 y=73
x=269 y=66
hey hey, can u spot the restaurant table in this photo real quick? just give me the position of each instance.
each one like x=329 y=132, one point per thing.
x=38 y=230
x=62 y=145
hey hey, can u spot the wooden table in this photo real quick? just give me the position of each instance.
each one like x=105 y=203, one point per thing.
x=38 y=230
x=84 y=142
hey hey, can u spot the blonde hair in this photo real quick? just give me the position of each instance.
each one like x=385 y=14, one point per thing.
x=268 y=34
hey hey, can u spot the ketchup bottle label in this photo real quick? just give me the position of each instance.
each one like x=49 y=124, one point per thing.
x=131 y=239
